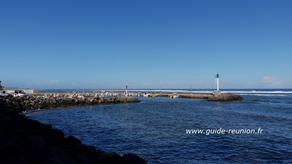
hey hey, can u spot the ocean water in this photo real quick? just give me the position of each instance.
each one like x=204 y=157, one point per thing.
x=155 y=128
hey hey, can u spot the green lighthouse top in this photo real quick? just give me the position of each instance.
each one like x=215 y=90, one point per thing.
x=217 y=75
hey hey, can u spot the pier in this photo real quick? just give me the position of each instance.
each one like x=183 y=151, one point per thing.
x=206 y=96
x=54 y=100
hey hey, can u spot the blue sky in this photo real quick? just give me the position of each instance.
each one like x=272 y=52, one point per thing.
x=146 y=43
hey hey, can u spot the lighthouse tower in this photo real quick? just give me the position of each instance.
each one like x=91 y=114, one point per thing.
x=126 y=90
x=217 y=83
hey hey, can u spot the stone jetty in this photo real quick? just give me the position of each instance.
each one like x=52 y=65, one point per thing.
x=224 y=97
x=206 y=96
x=54 y=100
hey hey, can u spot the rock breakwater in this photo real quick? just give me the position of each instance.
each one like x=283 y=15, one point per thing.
x=206 y=96
x=224 y=97
x=53 y=100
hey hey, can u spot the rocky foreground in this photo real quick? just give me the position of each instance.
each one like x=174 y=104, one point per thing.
x=23 y=140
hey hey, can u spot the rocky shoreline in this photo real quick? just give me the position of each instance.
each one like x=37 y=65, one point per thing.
x=23 y=140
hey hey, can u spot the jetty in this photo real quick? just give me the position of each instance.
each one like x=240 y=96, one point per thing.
x=216 y=95
x=206 y=96
x=54 y=100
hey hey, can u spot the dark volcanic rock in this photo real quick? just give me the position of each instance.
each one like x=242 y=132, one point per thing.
x=27 y=141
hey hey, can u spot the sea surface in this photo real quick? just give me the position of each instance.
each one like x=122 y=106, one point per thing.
x=156 y=128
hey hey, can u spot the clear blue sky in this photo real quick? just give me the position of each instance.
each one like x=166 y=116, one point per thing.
x=146 y=43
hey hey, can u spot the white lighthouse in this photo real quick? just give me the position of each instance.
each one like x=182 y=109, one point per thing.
x=126 y=90
x=217 y=83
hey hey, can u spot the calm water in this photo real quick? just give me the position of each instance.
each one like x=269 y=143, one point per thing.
x=155 y=129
